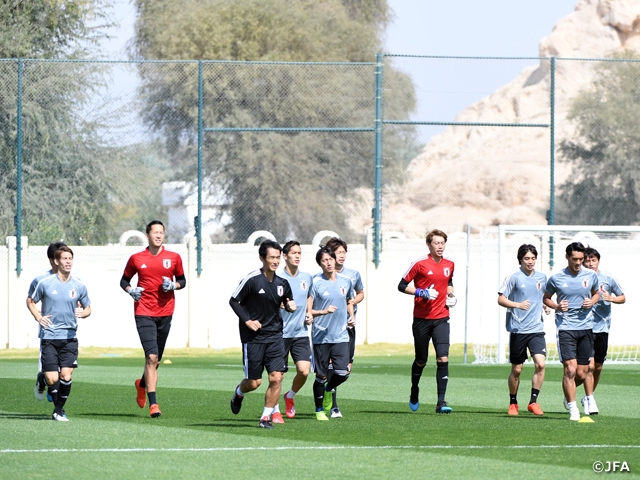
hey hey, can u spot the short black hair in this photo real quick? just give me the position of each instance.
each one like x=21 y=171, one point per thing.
x=591 y=252
x=322 y=251
x=53 y=247
x=524 y=249
x=574 y=247
x=288 y=245
x=267 y=244
x=336 y=242
x=152 y=223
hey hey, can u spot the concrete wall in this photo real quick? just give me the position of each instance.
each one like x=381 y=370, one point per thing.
x=203 y=317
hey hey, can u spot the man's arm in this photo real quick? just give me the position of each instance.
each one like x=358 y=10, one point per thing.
x=505 y=302
x=33 y=308
x=407 y=288
x=243 y=316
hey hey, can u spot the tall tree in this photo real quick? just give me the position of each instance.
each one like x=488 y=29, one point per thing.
x=290 y=183
x=604 y=186
x=73 y=186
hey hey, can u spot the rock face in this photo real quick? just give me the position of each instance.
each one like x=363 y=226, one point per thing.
x=487 y=175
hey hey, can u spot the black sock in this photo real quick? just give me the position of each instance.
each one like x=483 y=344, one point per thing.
x=416 y=373
x=53 y=391
x=442 y=378
x=334 y=400
x=534 y=395
x=335 y=381
x=152 y=397
x=318 y=393
x=143 y=384
x=512 y=399
x=63 y=394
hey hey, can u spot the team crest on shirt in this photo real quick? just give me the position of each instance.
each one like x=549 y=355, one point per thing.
x=343 y=291
x=539 y=285
x=585 y=284
x=446 y=271
x=166 y=262
x=73 y=293
x=303 y=284
x=280 y=290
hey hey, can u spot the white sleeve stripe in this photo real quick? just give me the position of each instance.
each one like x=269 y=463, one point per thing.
x=245 y=280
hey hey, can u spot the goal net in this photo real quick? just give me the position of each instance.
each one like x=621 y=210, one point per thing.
x=496 y=247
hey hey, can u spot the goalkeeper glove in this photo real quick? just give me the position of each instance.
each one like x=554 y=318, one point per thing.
x=451 y=300
x=136 y=293
x=428 y=293
x=167 y=284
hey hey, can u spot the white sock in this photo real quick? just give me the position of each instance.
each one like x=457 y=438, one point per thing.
x=239 y=392
x=590 y=398
x=572 y=406
x=276 y=408
x=267 y=412
x=290 y=394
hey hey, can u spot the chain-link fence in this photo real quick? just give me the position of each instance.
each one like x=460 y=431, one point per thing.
x=92 y=150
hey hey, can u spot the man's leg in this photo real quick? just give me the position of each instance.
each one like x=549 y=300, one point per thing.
x=538 y=348
x=421 y=338
x=335 y=410
x=597 y=370
x=441 y=335
x=514 y=384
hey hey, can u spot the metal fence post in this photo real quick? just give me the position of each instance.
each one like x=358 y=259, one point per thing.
x=18 y=216
x=552 y=128
x=377 y=235
x=198 y=219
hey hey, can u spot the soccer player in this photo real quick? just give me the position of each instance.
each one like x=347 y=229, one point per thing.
x=576 y=291
x=521 y=294
x=257 y=302
x=332 y=316
x=295 y=330
x=160 y=273
x=41 y=383
x=339 y=247
x=432 y=288
x=60 y=294
x=610 y=292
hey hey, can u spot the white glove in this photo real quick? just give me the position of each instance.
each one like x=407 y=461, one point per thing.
x=451 y=301
x=136 y=293
x=167 y=284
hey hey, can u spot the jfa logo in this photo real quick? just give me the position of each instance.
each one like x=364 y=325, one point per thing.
x=343 y=291
x=446 y=272
x=280 y=290
x=166 y=263
x=73 y=293
x=585 y=284
x=539 y=285
x=303 y=284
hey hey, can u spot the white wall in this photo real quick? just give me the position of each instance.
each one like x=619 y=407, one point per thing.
x=203 y=317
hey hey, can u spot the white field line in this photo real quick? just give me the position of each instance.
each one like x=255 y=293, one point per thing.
x=319 y=447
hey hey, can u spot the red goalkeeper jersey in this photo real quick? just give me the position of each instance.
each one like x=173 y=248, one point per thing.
x=150 y=269
x=427 y=273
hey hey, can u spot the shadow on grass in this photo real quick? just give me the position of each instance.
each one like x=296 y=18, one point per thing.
x=25 y=416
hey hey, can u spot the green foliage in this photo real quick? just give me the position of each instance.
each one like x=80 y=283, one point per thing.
x=74 y=187
x=291 y=184
x=50 y=28
x=604 y=187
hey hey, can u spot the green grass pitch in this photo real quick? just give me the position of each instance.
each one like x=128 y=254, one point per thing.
x=197 y=436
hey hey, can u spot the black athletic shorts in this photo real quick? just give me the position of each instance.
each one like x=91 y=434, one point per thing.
x=575 y=344
x=600 y=346
x=519 y=342
x=425 y=330
x=153 y=333
x=299 y=348
x=352 y=343
x=57 y=354
x=336 y=353
x=258 y=356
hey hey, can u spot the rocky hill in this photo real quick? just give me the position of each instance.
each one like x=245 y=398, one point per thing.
x=485 y=175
